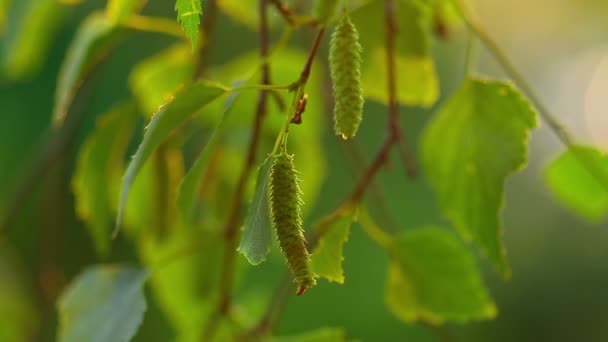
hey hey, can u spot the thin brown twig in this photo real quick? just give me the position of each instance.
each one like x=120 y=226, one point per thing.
x=231 y=229
x=205 y=37
x=392 y=138
x=305 y=74
x=285 y=11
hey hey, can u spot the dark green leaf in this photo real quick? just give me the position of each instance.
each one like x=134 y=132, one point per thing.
x=99 y=158
x=104 y=303
x=27 y=35
x=189 y=14
x=17 y=307
x=478 y=138
x=155 y=79
x=191 y=184
x=433 y=278
x=570 y=180
x=90 y=44
x=417 y=82
x=326 y=261
x=256 y=242
x=169 y=117
x=319 y=335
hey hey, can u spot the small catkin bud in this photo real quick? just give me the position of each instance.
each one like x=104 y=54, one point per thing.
x=286 y=217
x=345 y=67
x=324 y=10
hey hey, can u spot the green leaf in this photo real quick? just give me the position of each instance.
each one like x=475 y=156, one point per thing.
x=256 y=242
x=92 y=41
x=478 y=138
x=118 y=11
x=154 y=80
x=188 y=13
x=184 y=284
x=27 y=35
x=187 y=102
x=104 y=303
x=433 y=278
x=17 y=307
x=417 y=82
x=319 y=335
x=191 y=184
x=100 y=156
x=326 y=261
x=574 y=186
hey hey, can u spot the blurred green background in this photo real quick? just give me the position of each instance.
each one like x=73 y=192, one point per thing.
x=560 y=263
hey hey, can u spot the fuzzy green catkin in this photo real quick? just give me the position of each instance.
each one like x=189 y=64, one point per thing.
x=324 y=10
x=286 y=217
x=345 y=68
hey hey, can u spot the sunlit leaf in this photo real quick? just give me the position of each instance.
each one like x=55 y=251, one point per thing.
x=92 y=40
x=169 y=117
x=326 y=260
x=119 y=11
x=189 y=15
x=191 y=184
x=17 y=307
x=104 y=303
x=570 y=179
x=319 y=335
x=477 y=138
x=185 y=283
x=155 y=79
x=27 y=32
x=100 y=155
x=417 y=82
x=256 y=242
x=433 y=278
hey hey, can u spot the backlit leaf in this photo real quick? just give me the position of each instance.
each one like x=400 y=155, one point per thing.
x=319 y=335
x=575 y=186
x=433 y=278
x=100 y=156
x=477 y=138
x=417 y=82
x=104 y=303
x=189 y=15
x=170 y=116
x=191 y=184
x=27 y=32
x=119 y=11
x=154 y=80
x=326 y=260
x=256 y=242
x=90 y=44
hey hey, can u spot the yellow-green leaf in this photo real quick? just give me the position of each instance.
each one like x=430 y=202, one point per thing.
x=570 y=179
x=326 y=260
x=170 y=116
x=92 y=40
x=417 y=82
x=154 y=80
x=118 y=11
x=433 y=278
x=104 y=303
x=189 y=15
x=27 y=33
x=99 y=158
x=319 y=335
x=477 y=138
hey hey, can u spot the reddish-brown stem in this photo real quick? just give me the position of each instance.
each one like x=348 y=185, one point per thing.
x=205 y=36
x=305 y=74
x=234 y=219
x=285 y=11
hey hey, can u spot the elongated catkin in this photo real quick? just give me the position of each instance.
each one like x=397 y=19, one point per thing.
x=285 y=211
x=345 y=68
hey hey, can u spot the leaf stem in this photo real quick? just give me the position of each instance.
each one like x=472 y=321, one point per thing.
x=156 y=25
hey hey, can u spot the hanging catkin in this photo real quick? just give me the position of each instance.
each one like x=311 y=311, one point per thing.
x=345 y=67
x=285 y=212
